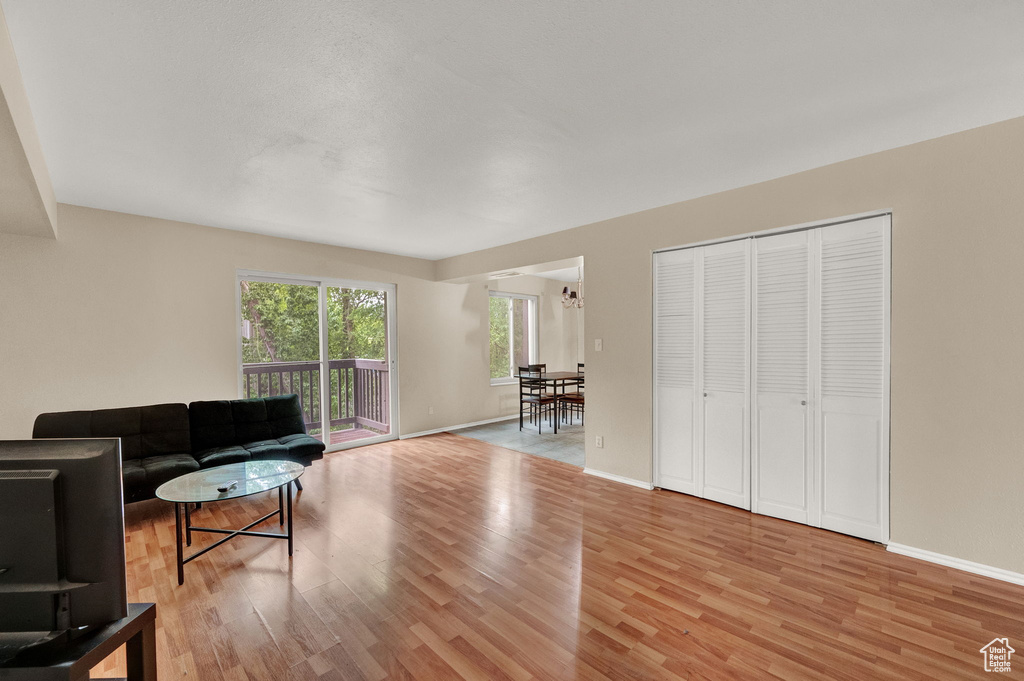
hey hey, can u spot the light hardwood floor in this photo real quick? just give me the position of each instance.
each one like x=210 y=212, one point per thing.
x=445 y=557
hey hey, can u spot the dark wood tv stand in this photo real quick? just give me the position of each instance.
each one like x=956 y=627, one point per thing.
x=72 y=661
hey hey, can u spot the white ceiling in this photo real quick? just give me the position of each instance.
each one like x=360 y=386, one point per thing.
x=568 y=275
x=437 y=128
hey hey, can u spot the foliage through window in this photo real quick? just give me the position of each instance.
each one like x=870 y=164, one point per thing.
x=512 y=333
x=283 y=325
x=281 y=322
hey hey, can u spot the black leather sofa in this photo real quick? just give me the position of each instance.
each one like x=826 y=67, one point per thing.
x=162 y=441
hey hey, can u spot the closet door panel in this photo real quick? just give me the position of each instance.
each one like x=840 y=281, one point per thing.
x=852 y=442
x=675 y=370
x=724 y=372
x=675 y=437
x=725 y=467
x=853 y=417
x=783 y=458
x=781 y=452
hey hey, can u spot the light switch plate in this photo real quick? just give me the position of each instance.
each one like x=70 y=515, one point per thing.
x=598 y=345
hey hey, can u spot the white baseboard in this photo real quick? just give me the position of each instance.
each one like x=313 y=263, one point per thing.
x=618 y=478
x=958 y=563
x=435 y=431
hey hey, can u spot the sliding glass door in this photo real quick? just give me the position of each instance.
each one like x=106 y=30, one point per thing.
x=331 y=343
x=359 y=372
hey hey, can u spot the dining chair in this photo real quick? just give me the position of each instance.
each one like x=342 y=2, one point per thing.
x=579 y=382
x=571 y=399
x=533 y=398
x=542 y=369
x=571 y=402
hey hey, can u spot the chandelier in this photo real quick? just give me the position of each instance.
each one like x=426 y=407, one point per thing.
x=574 y=298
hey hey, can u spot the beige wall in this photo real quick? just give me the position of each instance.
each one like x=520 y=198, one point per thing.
x=125 y=310
x=957 y=436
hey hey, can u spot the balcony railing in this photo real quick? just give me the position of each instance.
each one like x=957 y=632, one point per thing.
x=358 y=390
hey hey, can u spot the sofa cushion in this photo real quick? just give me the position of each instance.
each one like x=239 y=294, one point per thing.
x=164 y=430
x=143 y=476
x=219 y=456
x=152 y=430
x=302 y=448
x=133 y=475
x=250 y=417
x=285 y=439
x=160 y=469
x=74 y=424
x=266 y=449
x=212 y=424
x=125 y=423
x=284 y=414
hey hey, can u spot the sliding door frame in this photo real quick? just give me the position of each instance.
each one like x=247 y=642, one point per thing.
x=322 y=284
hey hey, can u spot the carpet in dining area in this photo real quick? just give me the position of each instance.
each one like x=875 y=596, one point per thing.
x=566 y=446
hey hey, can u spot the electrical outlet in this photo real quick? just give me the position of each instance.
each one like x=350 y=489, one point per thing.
x=598 y=345
x=430 y=410
x=599 y=441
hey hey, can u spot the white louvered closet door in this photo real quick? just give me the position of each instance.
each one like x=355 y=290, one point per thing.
x=853 y=420
x=782 y=456
x=724 y=372
x=675 y=349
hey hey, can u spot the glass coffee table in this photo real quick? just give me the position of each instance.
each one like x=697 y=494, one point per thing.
x=232 y=481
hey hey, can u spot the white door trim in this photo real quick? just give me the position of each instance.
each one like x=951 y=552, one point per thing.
x=803 y=226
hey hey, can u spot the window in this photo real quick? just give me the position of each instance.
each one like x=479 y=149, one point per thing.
x=513 y=322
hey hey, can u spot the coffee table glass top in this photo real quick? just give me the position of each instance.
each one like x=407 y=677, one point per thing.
x=250 y=477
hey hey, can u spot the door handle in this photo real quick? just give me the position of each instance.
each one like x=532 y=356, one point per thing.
x=803 y=402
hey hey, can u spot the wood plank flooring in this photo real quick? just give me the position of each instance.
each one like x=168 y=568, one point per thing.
x=445 y=557
x=349 y=435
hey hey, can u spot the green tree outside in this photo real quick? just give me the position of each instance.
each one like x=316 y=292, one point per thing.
x=509 y=331
x=285 y=323
x=500 y=338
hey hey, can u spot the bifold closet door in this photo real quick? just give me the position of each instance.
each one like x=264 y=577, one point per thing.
x=782 y=456
x=675 y=350
x=771 y=375
x=853 y=423
x=723 y=373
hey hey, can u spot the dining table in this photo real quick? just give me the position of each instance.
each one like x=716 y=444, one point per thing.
x=556 y=380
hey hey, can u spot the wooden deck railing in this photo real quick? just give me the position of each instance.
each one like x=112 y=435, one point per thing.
x=358 y=389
